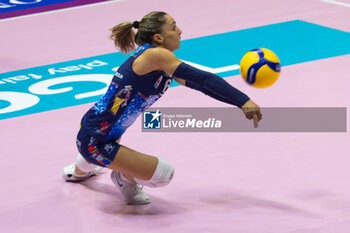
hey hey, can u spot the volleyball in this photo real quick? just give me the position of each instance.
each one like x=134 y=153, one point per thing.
x=260 y=67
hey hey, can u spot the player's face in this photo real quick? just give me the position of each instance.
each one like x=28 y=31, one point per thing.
x=171 y=34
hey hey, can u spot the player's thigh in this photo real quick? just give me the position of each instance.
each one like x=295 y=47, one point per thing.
x=116 y=157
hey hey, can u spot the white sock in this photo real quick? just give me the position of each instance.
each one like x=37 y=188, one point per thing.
x=83 y=165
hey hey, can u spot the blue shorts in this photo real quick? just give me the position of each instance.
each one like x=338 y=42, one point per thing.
x=99 y=153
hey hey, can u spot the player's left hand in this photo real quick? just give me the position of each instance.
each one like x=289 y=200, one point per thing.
x=252 y=111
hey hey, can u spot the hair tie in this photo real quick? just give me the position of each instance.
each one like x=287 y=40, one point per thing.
x=136 y=24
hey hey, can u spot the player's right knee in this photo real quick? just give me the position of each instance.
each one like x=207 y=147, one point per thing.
x=162 y=176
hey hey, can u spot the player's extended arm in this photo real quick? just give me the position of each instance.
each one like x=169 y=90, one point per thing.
x=169 y=63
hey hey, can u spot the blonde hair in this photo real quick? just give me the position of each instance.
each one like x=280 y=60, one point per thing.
x=125 y=38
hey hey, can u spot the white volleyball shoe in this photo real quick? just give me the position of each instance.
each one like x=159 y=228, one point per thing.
x=132 y=193
x=69 y=174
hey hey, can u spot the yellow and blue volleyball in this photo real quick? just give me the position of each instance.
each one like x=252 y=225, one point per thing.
x=260 y=67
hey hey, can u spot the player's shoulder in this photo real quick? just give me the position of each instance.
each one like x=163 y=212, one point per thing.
x=158 y=53
x=157 y=58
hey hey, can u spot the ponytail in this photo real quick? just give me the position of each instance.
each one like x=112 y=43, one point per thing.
x=123 y=37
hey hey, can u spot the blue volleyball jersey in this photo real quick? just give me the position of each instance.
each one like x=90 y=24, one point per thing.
x=127 y=97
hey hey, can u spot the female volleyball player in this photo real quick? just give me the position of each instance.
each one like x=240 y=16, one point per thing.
x=139 y=82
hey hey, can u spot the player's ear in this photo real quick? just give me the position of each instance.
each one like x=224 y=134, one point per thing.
x=158 y=39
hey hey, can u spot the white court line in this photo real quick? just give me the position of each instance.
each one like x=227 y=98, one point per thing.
x=337 y=3
x=60 y=10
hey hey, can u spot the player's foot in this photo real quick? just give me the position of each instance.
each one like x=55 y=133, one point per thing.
x=132 y=193
x=69 y=174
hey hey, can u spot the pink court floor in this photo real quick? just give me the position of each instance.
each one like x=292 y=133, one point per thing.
x=224 y=182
